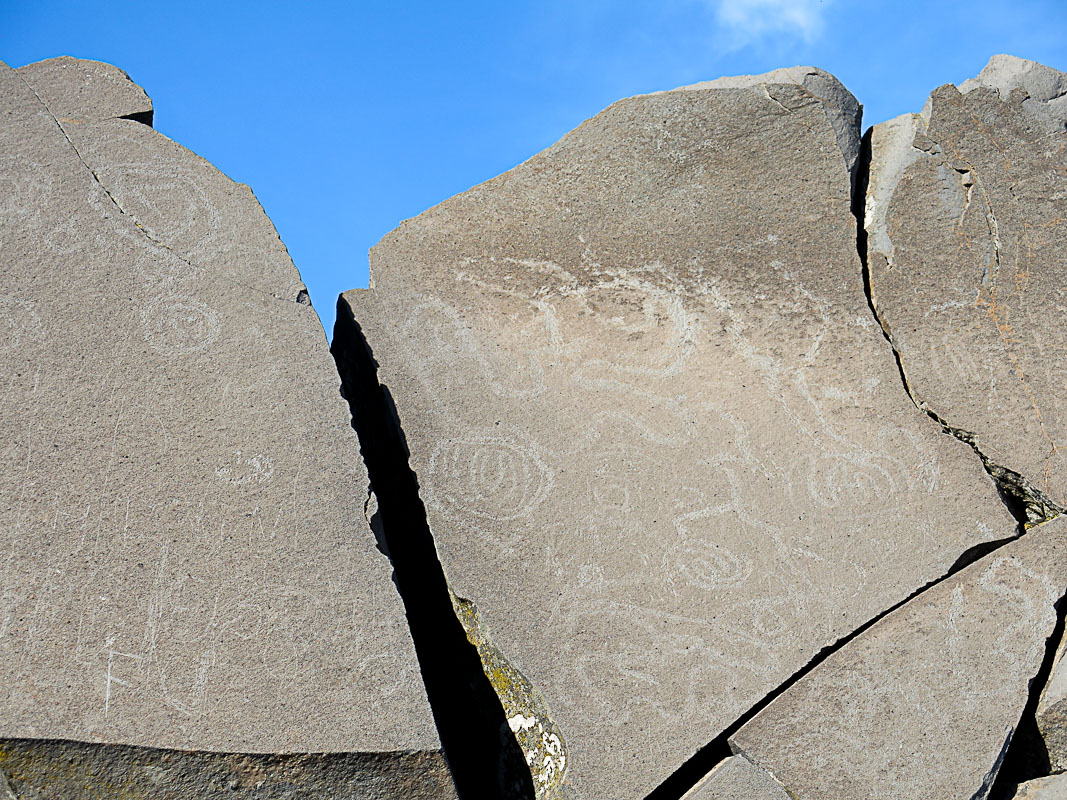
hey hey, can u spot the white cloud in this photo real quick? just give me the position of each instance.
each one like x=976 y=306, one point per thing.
x=747 y=21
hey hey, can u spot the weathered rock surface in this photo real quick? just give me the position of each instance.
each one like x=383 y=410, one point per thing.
x=186 y=562
x=1053 y=787
x=37 y=770
x=737 y=778
x=79 y=90
x=924 y=703
x=664 y=448
x=966 y=214
x=1051 y=714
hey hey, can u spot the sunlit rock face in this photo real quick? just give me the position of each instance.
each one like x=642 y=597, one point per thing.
x=966 y=216
x=186 y=562
x=662 y=442
x=714 y=455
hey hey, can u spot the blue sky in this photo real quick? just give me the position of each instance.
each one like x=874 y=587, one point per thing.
x=346 y=118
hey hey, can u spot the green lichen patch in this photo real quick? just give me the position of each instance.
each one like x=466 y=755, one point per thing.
x=528 y=716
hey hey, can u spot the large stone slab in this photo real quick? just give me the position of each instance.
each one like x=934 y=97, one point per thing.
x=664 y=448
x=185 y=558
x=966 y=215
x=924 y=703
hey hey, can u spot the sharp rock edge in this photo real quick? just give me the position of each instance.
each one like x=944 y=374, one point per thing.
x=482 y=751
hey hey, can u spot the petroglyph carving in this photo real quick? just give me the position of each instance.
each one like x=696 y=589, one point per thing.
x=647 y=420
x=176 y=325
x=185 y=563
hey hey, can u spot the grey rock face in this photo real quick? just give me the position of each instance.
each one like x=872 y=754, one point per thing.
x=966 y=215
x=1051 y=715
x=663 y=446
x=186 y=562
x=842 y=110
x=737 y=778
x=1053 y=787
x=1045 y=87
x=78 y=90
x=924 y=703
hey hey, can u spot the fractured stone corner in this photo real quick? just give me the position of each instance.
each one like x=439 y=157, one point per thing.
x=79 y=90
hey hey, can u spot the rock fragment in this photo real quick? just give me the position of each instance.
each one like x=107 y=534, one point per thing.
x=77 y=770
x=1053 y=787
x=965 y=216
x=185 y=564
x=662 y=444
x=924 y=703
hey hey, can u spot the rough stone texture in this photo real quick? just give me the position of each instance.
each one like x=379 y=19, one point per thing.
x=922 y=704
x=185 y=559
x=663 y=446
x=78 y=90
x=1053 y=787
x=36 y=770
x=737 y=778
x=842 y=110
x=1051 y=712
x=966 y=215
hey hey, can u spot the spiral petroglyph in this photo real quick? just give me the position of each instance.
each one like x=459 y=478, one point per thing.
x=177 y=325
x=491 y=477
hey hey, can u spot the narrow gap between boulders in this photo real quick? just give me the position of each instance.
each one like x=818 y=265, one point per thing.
x=483 y=755
x=1027 y=757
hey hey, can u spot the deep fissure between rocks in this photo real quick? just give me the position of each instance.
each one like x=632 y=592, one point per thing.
x=1027 y=505
x=482 y=753
x=1024 y=501
x=1027 y=757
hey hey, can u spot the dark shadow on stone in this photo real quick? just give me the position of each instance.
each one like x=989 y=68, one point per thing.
x=1027 y=757
x=144 y=117
x=484 y=757
x=718 y=749
x=68 y=770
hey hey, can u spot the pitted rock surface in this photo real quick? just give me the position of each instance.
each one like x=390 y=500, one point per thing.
x=79 y=90
x=663 y=446
x=966 y=216
x=924 y=703
x=186 y=561
x=34 y=770
x=737 y=778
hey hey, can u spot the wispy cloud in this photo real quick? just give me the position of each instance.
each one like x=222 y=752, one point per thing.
x=750 y=21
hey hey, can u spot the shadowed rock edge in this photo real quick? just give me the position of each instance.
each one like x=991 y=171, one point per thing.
x=31 y=768
x=482 y=752
x=1028 y=505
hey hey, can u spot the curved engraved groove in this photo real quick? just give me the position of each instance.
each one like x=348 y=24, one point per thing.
x=526 y=709
x=1026 y=502
x=483 y=755
x=39 y=768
